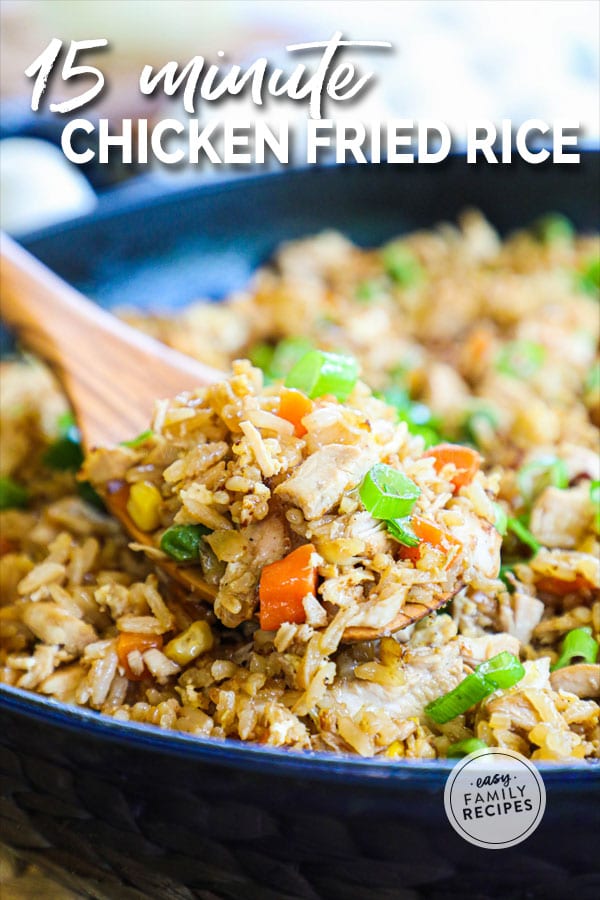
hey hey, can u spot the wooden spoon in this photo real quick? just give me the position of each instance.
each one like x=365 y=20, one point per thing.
x=112 y=375
x=408 y=615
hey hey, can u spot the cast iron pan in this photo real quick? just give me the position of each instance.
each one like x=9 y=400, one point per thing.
x=146 y=813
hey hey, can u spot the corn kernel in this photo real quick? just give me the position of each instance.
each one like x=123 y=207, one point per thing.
x=143 y=505
x=192 y=642
x=390 y=651
x=379 y=674
x=395 y=750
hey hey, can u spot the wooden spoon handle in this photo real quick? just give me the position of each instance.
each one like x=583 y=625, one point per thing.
x=110 y=372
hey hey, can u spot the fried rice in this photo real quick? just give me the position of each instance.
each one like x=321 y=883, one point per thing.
x=462 y=339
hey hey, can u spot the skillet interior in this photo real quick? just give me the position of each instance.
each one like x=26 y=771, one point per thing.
x=243 y=821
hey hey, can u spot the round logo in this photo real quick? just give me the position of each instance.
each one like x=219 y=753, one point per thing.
x=495 y=798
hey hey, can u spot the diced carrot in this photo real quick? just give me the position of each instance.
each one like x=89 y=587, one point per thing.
x=479 y=344
x=134 y=640
x=466 y=461
x=283 y=586
x=548 y=584
x=293 y=406
x=429 y=534
x=6 y=545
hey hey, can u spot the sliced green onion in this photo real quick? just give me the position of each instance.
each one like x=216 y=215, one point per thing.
x=417 y=413
x=463 y=748
x=139 y=440
x=418 y=416
x=401 y=531
x=578 y=644
x=370 y=290
x=65 y=453
x=183 y=542
x=397 y=396
x=421 y=421
x=401 y=265
x=65 y=422
x=399 y=374
x=554 y=228
x=319 y=373
x=87 y=493
x=592 y=381
x=501 y=519
x=505 y=568
x=589 y=277
x=520 y=359
x=430 y=436
x=387 y=493
x=477 y=421
x=540 y=473
x=501 y=671
x=260 y=355
x=12 y=494
x=523 y=533
x=470 y=691
x=287 y=353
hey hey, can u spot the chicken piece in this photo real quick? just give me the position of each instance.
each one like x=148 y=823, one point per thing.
x=481 y=544
x=53 y=625
x=582 y=679
x=108 y=464
x=429 y=673
x=265 y=542
x=515 y=708
x=478 y=649
x=564 y=565
x=560 y=518
x=319 y=483
x=372 y=532
x=520 y=615
x=446 y=393
x=578 y=460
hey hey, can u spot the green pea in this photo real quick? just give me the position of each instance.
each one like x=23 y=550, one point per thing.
x=183 y=542
x=12 y=494
x=401 y=265
x=554 y=228
x=520 y=359
x=589 y=277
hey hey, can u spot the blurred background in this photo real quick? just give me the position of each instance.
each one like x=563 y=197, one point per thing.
x=452 y=60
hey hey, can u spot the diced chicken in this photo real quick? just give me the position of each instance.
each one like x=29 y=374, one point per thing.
x=477 y=649
x=566 y=565
x=319 y=483
x=429 y=673
x=265 y=542
x=578 y=460
x=582 y=679
x=53 y=625
x=520 y=615
x=446 y=392
x=43 y=662
x=559 y=518
x=372 y=532
x=515 y=708
x=481 y=544
x=108 y=464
